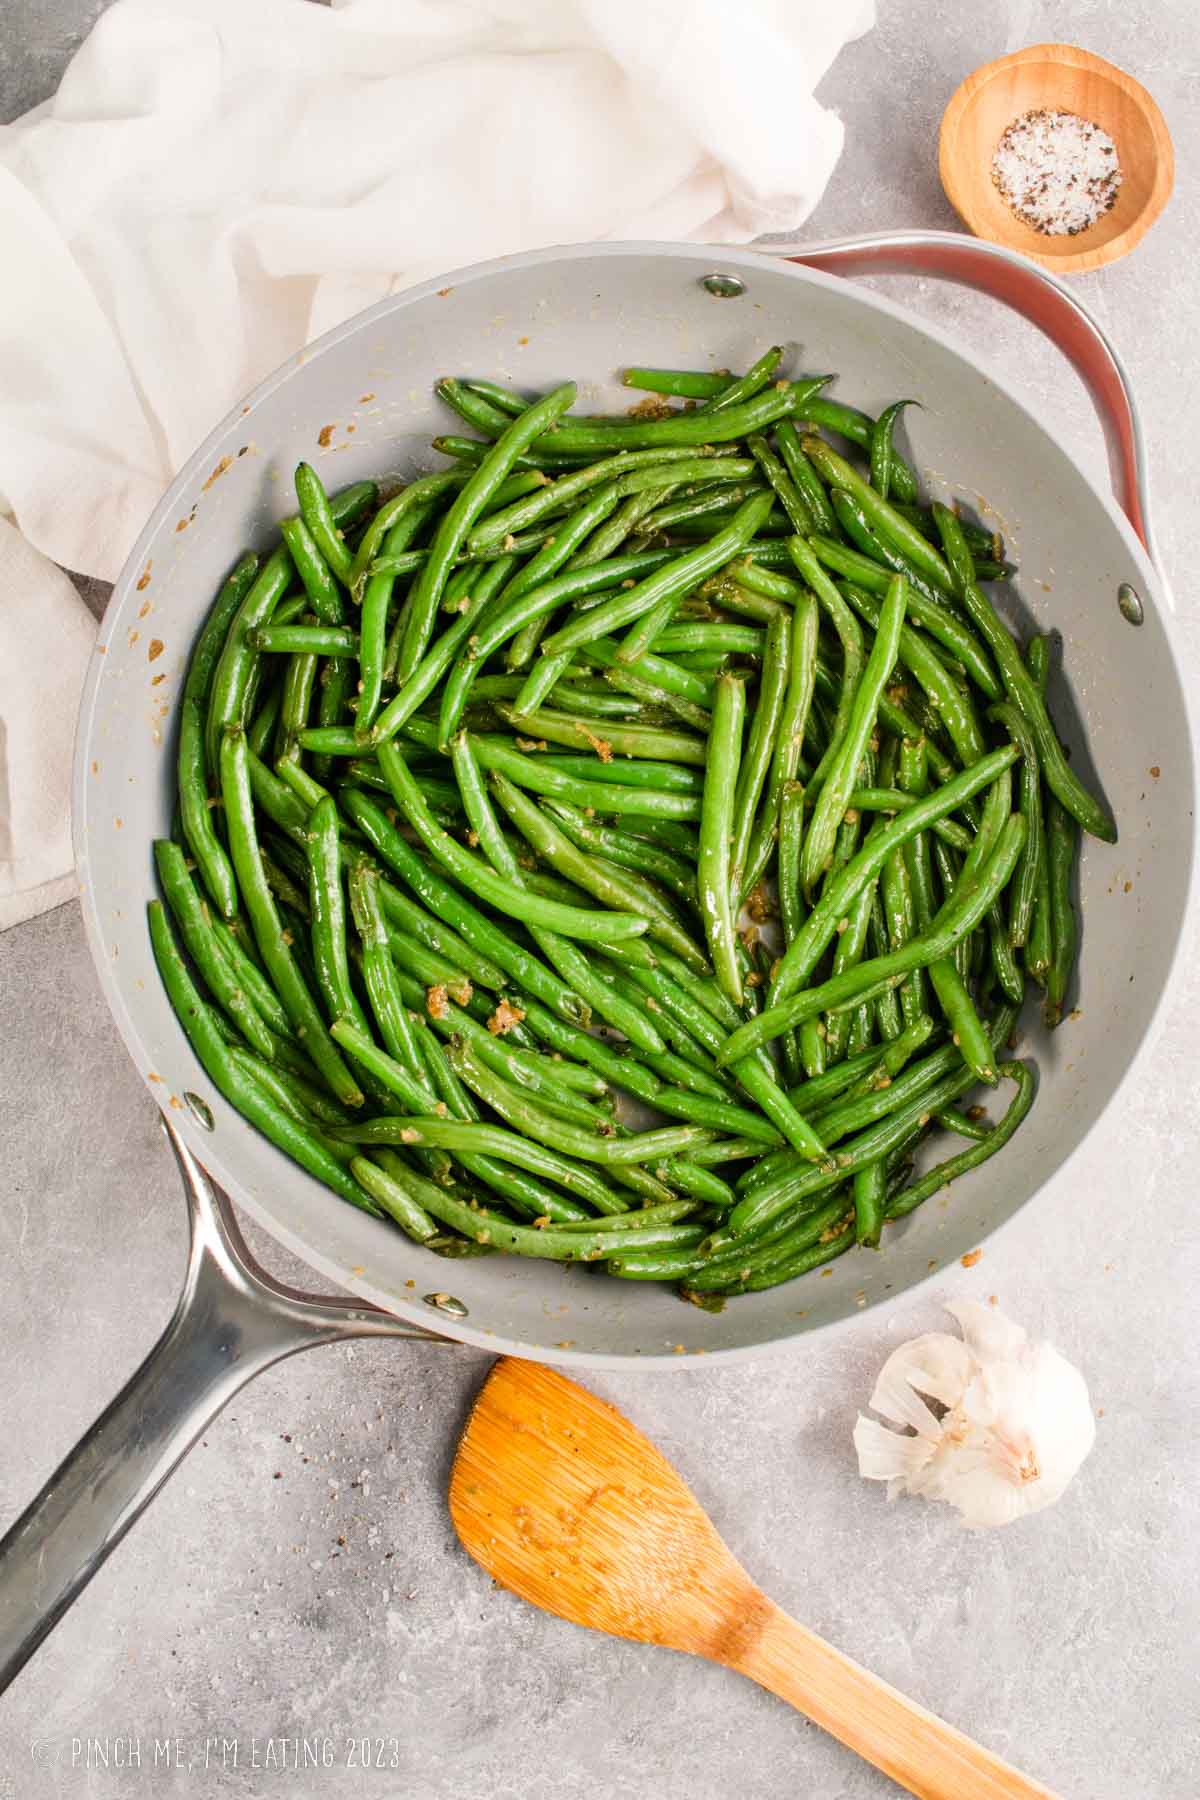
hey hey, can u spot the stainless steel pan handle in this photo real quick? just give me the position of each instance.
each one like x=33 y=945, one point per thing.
x=231 y=1322
x=1039 y=297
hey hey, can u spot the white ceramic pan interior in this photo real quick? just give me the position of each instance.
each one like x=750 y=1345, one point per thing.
x=361 y=403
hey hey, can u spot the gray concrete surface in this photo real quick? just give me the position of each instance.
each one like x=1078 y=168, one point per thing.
x=299 y=1579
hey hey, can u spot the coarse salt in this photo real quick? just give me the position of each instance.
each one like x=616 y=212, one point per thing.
x=1058 y=172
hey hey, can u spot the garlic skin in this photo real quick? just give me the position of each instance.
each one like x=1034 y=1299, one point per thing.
x=1017 y=1426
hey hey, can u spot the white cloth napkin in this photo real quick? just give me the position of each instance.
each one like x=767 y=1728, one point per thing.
x=217 y=181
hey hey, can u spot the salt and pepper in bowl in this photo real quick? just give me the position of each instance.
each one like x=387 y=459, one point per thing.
x=1054 y=152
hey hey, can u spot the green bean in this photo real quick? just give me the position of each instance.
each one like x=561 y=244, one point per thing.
x=656 y=669
x=791 y=912
x=883 y=453
x=615 y=887
x=627 y=851
x=532 y=1121
x=681 y=428
x=688 y=384
x=951 y=1119
x=250 y=977
x=869 y=1188
x=723 y=1151
x=959 y=916
x=666 y=1212
x=321 y=640
x=635 y=471
x=376 y=601
x=950 y=703
x=195 y=815
x=540 y=1074
x=204 y=948
x=424 y=679
x=1025 y=880
x=800 y=958
x=261 y=730
x=827 y=1248
x=322 y=520
x=620 y=739
x=670 y=777
x=849 y=636
x=297 y=1094
x=1023 y=691
x=756 y=1209
x=193 y=765
x=847 y=955
x=747 y=385
x=894 y=800
x=792 y=500
x=864 y=1105
x=761 y=742
x=805 y=478
x=478 y=878
x=480 y=936
x=924 y=607
x=227 y=701
x=473 y=1139
x=1009 y=977
x=348 y=504
x=648 y=806
x=890 y=525
x=678 y=576
x=646 y=694
x=741 y=640
x=482 y=1225
x=571 y=964
x=1062 y=840
x=699 y=1182
x=468 y=504
x=758 y=1262
x=472 y=452
x=300 y=678
x=839 y=780
x=716 y=828
x=793 y=720
x=516 y=613
x=302 y=1144
x=899 y=910
x=909 y=1199
x=267 y=926
x=379 y=973
x=970 y=1034
x=322 y=591
x=560 y=551
x=413 y=499
x=849 y=422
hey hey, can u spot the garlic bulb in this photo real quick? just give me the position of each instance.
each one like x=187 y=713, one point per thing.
x=1017 y=1422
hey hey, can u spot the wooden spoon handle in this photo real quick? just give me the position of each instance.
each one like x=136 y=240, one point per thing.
x=920 y=1752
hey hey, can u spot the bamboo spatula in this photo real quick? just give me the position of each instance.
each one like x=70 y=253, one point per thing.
x=564 y=1502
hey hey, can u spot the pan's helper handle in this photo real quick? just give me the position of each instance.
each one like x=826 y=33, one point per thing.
x=920 y=1752
x=1039 y=297
x=232 y=1321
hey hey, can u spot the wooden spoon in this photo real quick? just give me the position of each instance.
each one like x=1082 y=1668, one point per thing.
x=564 y=1502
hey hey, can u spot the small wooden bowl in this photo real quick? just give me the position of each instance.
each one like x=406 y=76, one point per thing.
x=1060 y=78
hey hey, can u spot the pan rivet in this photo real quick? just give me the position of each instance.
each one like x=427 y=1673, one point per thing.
x=1129 y=602
x=723 y=287
x=200 y=1110
x=448 y=1304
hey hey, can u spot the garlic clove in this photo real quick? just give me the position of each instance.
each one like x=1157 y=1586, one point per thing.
x=935 y=1364
x=885 y=1455
x=1016 y=1427
x=987 y=1333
